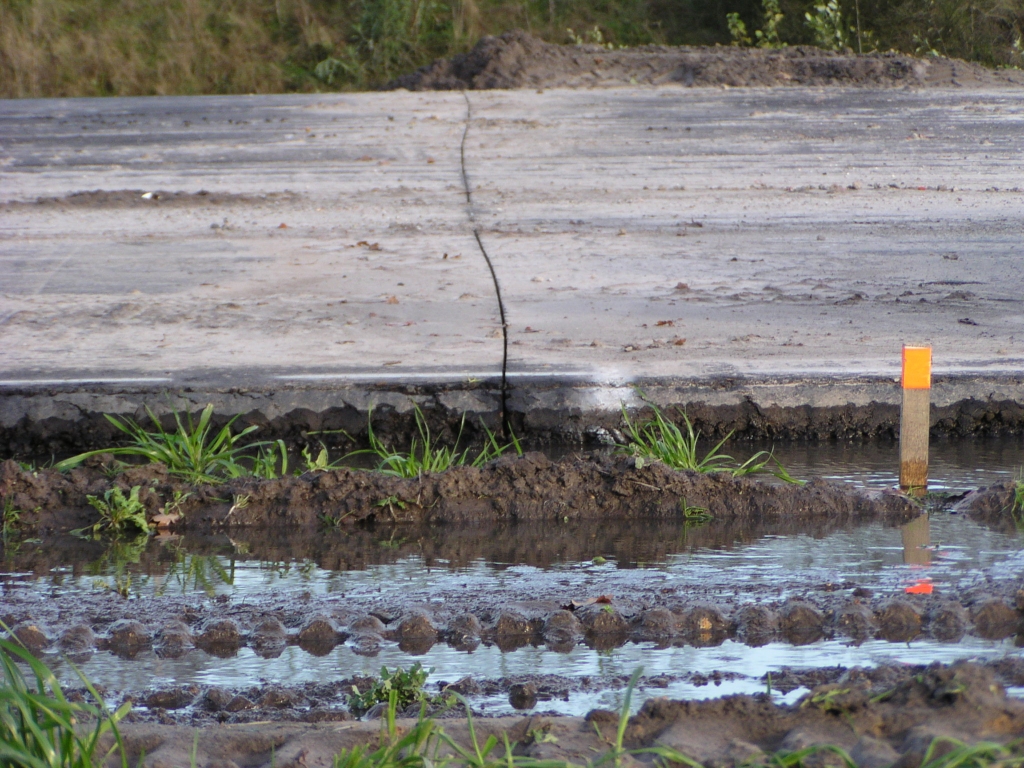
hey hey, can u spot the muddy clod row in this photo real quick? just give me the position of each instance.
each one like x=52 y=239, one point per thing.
x=600 y=625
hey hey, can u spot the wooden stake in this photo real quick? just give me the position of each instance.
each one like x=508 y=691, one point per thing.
x=915 y=417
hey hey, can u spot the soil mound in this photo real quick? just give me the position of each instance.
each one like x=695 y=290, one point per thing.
x=531 y=487
x=516 y=59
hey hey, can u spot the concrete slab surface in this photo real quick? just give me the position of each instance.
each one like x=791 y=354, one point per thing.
x=637 y=233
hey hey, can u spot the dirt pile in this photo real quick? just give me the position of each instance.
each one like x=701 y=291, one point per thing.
x=994 y=506
x=511 y=488
x=516 y=59
x=877 y=720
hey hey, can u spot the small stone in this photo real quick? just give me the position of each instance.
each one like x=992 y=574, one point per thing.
x=756 y=625
x=239 y=703
x=995 y=619
x=798 y=617
x=464 y=626
x=562 y=625
x=869 y=752
x=657 y=623
x=215 y=699
x=174 y=698
x=279 y=698
x=467 y=686
x=855 y=620
x=78 y=638
x=173 y=641
x=509 y=624
x=704 y=620
x=365 y=644
x=318 y=630
x=367 y=624
x=898 y=621
x=601 y=619
x=948 y=622
x=220 y=632
x=416 y=625
x=523 y=696
x=129 y=634
x=31 y=636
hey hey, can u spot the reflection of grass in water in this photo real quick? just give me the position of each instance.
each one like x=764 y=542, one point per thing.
x=115 y=561
x=195 y=572
x=282 y=569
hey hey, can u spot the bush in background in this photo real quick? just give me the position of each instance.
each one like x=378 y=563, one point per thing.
x=151 y=47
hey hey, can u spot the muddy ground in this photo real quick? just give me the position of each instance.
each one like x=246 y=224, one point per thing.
x=510 y=488
x=518 y=60
x=882 y=717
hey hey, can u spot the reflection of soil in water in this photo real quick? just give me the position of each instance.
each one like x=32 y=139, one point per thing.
x=202 y=561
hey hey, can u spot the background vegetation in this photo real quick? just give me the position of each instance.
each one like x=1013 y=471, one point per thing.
x=143 y=47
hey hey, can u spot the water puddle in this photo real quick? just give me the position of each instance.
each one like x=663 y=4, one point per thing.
x=472 y=566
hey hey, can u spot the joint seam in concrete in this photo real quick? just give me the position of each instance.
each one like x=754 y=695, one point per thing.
x=504 y=425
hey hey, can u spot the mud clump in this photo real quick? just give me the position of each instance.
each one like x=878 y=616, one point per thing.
x=531 y=487
x=517 y=59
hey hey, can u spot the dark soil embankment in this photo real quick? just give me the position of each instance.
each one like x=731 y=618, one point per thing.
x=880 y=719
x=511 y=488
x=518 y=60
x=994 y=506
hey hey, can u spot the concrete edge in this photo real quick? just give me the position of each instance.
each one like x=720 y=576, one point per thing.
x=40 y=417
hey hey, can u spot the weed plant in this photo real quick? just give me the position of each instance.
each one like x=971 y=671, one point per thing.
x=425 y=456
x=40 y=728
x=658 y=439
x=192 y=451
x=405 y=686
x=118 y=513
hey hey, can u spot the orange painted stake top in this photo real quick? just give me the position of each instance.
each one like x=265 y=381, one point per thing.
x=917 y=367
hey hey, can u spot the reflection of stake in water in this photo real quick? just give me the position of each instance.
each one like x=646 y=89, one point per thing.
x=916 y=541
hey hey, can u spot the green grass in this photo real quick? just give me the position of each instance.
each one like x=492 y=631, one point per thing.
x=162 y=47
x=193 y=451
x=658 y=439
x=40 y=728
x=425 y=456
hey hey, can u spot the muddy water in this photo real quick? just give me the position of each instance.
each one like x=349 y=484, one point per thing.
x=471 y=566
x=954 y=465
x=951 y=551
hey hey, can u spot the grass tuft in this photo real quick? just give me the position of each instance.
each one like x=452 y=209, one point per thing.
x=40 y=728
x=425 y=456
x=658 y=439
x=192 y=451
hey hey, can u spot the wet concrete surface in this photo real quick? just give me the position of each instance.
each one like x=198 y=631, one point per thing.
x=761 y=251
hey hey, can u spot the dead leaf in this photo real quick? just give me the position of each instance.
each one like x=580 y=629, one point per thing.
x=678 y=341
x=391 y=300
x=682 y=287
x=282 y=225
x=364 y=159
x=164 y=521
x=669 y=323
x=374 y=246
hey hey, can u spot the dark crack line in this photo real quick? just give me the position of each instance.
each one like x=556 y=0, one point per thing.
x=505 y=427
